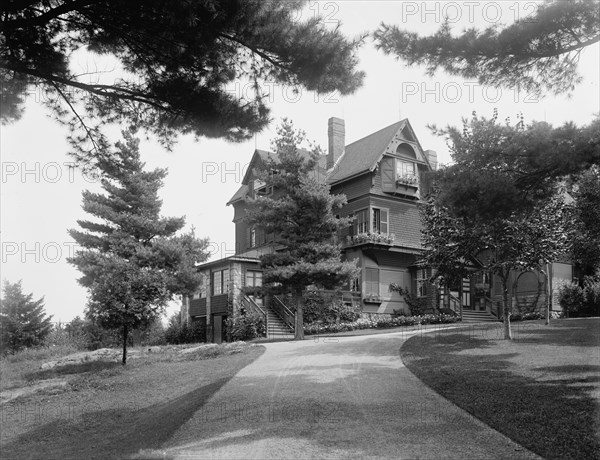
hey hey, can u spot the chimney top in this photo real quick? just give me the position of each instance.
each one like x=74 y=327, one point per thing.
x=336 y=131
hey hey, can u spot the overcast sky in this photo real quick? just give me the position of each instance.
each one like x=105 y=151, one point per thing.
x=41 y=195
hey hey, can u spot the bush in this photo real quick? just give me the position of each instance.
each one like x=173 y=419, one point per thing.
x=177 y=333
x=379 y=322
x=580 y=301
x=326 y=308
x=245 y=327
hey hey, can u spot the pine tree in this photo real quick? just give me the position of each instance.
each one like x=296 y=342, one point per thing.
x=538 y=53
x=132 y=260
x=23 y=321
x=182 y=63
x=301 y=213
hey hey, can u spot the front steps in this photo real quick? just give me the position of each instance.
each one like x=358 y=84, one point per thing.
x=276 y=328
x=472 y=316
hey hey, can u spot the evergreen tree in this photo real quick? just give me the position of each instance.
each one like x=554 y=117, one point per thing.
x=23 y=321
x=301 y=214
x=538 y=53
x=132 y=261
x=182 y=63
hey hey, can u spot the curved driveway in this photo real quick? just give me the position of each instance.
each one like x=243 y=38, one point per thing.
x=348 y=397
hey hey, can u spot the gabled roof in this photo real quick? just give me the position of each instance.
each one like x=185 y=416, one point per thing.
x=363 y=155
x=264 y=156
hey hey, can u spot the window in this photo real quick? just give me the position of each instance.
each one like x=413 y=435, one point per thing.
x=253 y=278
x=380 y=220
x=422 y=282
x=220 y=281
x=253 y=238
x=361 y=222
x=355 y=284
x=372 y=281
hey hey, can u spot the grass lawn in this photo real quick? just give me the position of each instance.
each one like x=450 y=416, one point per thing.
x=109 y=411
x=542 y=389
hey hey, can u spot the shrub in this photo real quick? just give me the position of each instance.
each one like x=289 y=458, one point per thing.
x=379 y=322
x=591 y=297
x=580 y=301
x=417 y=305
x=326 y=308
x=178 y=333
x=245 y=327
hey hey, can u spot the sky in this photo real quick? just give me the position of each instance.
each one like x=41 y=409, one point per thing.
x=41 y=193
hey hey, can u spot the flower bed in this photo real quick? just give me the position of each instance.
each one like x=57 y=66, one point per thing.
x=379 y=321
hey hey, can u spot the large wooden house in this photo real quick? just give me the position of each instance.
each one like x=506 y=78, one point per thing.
x=382 y=176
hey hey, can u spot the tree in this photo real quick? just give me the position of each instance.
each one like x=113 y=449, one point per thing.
x=538 y=53
x=178 y=63
x=301 y=213
x=529 y=159
x=479 y=210
x=23 y=321
x=132 y=261
x=585 y=229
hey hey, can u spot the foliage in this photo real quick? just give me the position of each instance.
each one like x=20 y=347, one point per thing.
x=585 y=191
x=479 y=214
x=178 y=64
x=580 y=301
x=538 y=53
x=327 y=308
x=132 y=261
x=417 y=305
x=380 y=322
x=369 y=237
x=23 y=321
x=302 y=214
x=246 y=327
x=177 y=333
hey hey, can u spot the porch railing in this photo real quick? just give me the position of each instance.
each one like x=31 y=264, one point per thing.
x=491 y=306
x=250 y=305
x=288 y=317
x=454 y=304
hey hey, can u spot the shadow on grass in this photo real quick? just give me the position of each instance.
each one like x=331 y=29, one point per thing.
x=551 y=410
x=115 y=433
x=70 y=369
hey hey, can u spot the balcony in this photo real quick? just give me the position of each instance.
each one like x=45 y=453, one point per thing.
x=408 y=181
x=369 y=238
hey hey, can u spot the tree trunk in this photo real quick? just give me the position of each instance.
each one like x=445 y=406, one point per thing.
x=548 y=294
x=506 y=308
x=125 y=334
x=299 y=326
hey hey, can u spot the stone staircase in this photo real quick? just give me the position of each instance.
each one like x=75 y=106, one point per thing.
x=472 y=316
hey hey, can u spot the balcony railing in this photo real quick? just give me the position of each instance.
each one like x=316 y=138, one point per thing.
x=370 y=238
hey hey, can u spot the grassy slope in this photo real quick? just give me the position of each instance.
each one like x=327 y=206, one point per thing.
x=541 y=390
x=112 y=412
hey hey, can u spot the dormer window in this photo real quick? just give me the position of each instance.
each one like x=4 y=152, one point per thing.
x=406 y=172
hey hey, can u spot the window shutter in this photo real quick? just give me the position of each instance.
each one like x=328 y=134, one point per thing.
x=388 y=176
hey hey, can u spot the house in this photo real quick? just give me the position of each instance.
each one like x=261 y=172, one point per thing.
x=383 y=177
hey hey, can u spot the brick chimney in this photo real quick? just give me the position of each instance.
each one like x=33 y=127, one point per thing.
x=336 y=131
x=432 y=157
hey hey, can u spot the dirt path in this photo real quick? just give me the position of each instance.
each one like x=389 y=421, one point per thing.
x=340 y=398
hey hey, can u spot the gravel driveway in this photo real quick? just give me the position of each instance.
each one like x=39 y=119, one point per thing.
x=348 y=397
